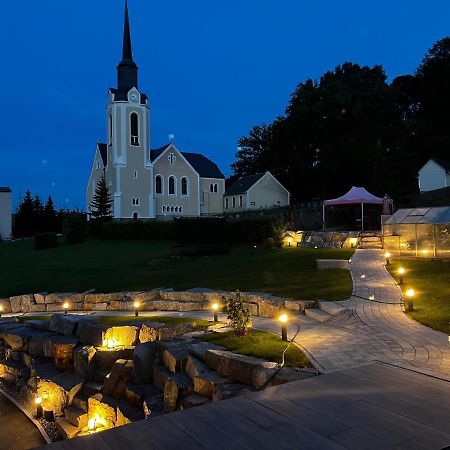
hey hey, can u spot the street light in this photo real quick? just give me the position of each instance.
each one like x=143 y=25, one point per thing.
x=136 y=308
x=215 y=308
x=401 y=272
x=409 y=302
x=66 y=307
x=387 y=255
x=1 y=310
x=283 y=319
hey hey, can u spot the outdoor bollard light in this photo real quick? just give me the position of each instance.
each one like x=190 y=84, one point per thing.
x=387 y=255
x=38 y=403
x=409 y=302
x=91 y=424
x=136 y=308
x=66 y=307
x=1 y=310
x=401 y=272
x=283 y=319
x=215 y=308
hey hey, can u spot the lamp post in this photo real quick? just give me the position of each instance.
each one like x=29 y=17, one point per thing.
x=401 y=272
x=215 y=308
x=38 y=403
x=1 y=310
x=409 y=302
x=66 y=307
x=283 y=319
x=136 y=308
x=387 y=255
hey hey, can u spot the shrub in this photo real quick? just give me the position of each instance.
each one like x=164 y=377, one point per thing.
x=138 y=229
x=45 y=240
x=74 y=228
x=269 y=243
x=278 y=231
x=238 y=314
x=74 y=236
x=248 y=231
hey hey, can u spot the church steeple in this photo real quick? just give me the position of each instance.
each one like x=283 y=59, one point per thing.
x=127 y=68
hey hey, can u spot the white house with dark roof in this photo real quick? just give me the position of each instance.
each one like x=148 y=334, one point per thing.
x=435 y=174
x=5 y=213
x=144 y=182
x=255 y=192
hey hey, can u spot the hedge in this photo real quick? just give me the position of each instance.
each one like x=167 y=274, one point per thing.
x=43 y=241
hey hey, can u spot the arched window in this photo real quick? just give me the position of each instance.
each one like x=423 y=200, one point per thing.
x=135 y=215
x=180 y=209
x=171 y=185
x=211 y=188
x=164 y=209
x=172 y=209
x=215 y=187
x=240 y=200
x=234 y=201
x=158 y=184
x=135 y=174
x=134 y=129
x=184 y=186
x=226 y=203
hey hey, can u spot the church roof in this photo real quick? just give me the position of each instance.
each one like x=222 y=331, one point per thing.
x=5 y=189
x=242 y=185
x=103 y=148
x=203 y=165
x=443 y=163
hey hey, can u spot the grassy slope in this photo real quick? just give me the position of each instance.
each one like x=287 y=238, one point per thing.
x=260 y=344
x=108 y=265
x=431 y=282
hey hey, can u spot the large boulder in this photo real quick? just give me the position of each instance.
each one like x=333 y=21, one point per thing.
x=21 y=303
x=58 y=391
x=160 y=376
x=149 y=331
x=143 y=297
x=178 y=386
x=38 y=308
x=186 y=296
x=105 y=358
x=65 y=428
x=39 y=342
x=206 y=383
x=39 y=298
x=64 y=324
x=127 y=413
x=174 y=354
x=92 y=333
x=225 y=391
x=76 y=416
x=103 y=409
x=174 y=305
x=172 y=331
x=119 y=376
x=244 y=369
x=195 y=367
x=84 y=364
x=16 y=336
x=63 y=349
x=199 y=349
x=64 y=297
x=122 y=335
x=144 y=356
x=105 y=298
x=136 y=394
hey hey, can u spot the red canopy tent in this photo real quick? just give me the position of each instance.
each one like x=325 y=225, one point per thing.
x=355 y=196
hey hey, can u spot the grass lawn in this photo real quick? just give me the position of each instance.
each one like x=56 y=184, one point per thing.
x=431 y=283
x=260 y=344
x=109 y=265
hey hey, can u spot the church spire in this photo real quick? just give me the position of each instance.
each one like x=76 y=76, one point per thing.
x=127 y=68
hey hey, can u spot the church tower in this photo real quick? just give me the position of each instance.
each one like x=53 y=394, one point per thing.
x=129 y=171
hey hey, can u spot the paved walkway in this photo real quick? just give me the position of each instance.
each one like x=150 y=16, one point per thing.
x=17 y=432
x=376 y=329
x=370 y=407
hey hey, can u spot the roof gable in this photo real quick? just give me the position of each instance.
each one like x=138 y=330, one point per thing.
x=443 y=163
x=5 y=189
x=242 y=185
x=103 y=149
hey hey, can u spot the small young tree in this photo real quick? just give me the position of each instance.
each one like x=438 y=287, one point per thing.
x=50 y=218
x=102 y=201
x=238 y=314
x=25 y=224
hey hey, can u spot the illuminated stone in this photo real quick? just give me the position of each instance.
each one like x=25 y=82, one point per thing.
x=122 y=335
x=84 y=361
x=105 y=408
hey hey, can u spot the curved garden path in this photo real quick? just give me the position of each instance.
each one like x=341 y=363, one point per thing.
x=377 y=329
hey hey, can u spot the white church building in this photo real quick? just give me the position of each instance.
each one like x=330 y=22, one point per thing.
x=145 y=182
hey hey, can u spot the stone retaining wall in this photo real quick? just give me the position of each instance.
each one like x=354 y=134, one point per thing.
x=198 y=299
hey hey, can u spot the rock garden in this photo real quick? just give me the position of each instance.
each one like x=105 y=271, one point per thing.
x=84 y=376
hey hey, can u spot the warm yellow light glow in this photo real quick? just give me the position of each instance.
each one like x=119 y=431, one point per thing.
x=66 y=305
x=372 y=297
x=410 y=293
x=38 y=400
x=215 y=306
x=283 y=318
x=401 y=271
x=1 y=308
x=363 y=276
x=425 y=251
x=136 y=305
x=111 y=343
x=387 y=255
x=91 y=424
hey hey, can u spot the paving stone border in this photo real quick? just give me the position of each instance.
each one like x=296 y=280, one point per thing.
x=260 y=304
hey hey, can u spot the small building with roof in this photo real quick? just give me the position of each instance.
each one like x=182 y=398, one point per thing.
x=255 y=192
x=421 y=232
x=5 y=213
x=434 y=174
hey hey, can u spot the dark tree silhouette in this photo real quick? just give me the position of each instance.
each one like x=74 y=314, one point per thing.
x=102 y=202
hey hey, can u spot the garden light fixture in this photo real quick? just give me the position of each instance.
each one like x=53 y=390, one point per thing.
x=283 y=319
x=387 y=255
x=401 y=272
x=215 y=308
x=38 y=403
x=136 y=306
x=1 y=310
x=66 y=307
x=409 y=302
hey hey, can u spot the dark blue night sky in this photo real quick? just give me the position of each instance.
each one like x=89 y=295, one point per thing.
x=211 y=69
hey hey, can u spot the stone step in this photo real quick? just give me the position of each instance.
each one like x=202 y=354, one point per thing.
x=331 y=308
x=91 y=388
x=65 y=428
x=305 y=320
x=76 y=416
x=317 y=314
x=80 y=401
